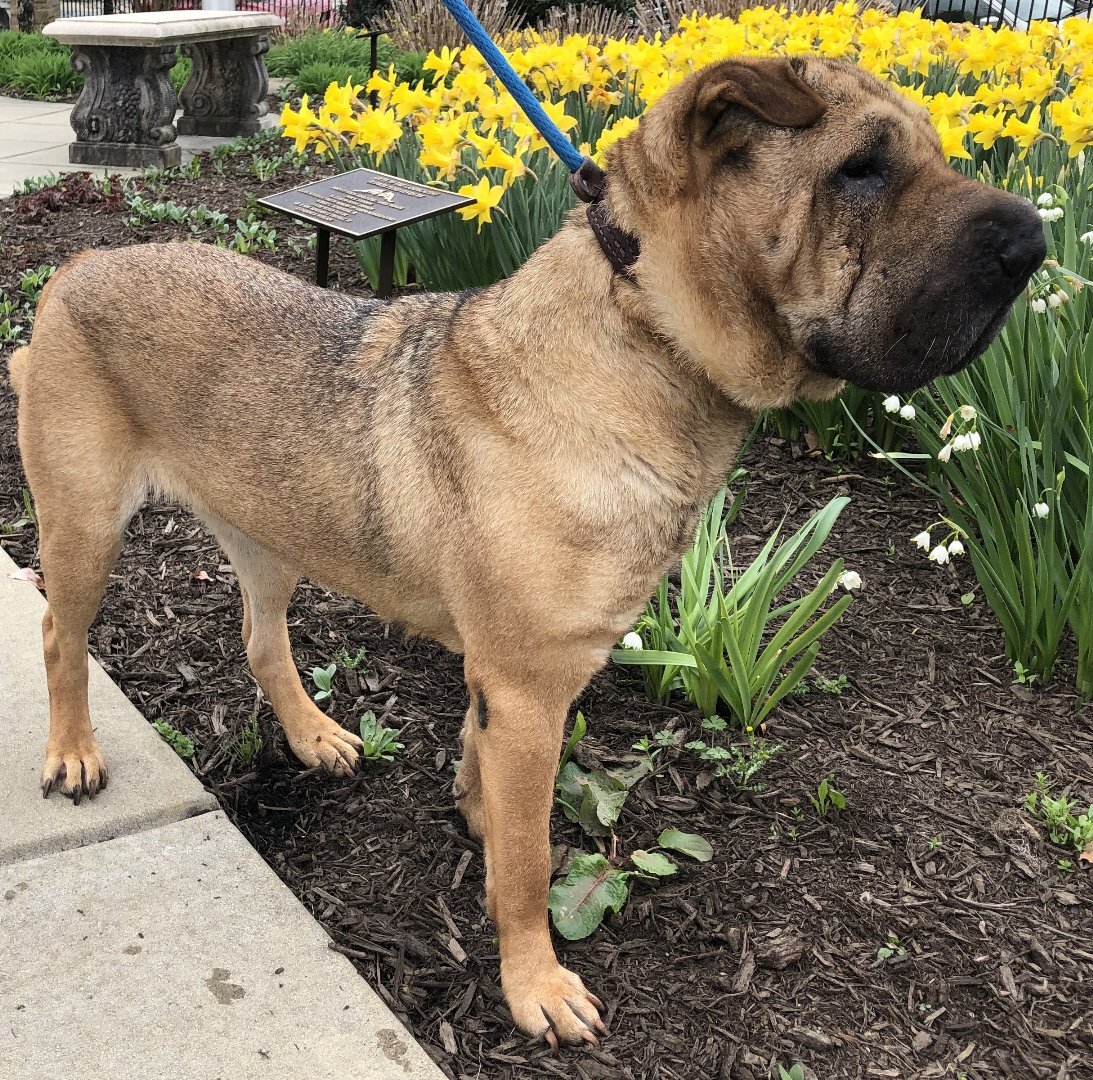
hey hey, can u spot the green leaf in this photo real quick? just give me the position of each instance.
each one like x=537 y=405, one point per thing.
x=580 y=727
x=687 y=843
x=652 y=658
x=652 y=862
x=590 y=889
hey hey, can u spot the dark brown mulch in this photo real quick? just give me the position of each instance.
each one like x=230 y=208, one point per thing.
x=766 y=956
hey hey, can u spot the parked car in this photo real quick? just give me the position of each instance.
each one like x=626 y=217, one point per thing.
x=1016 y=14
x=307 y=11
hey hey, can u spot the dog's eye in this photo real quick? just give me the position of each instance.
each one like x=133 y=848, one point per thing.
x=861 y=169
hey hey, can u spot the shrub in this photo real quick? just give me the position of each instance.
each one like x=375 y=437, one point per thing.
x=20 y=69
x=313 y=60
x=286 y=59
x=313 y=79
x=181 y=72
x=43 y=75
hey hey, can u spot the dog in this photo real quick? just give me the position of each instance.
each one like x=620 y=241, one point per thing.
x=508 y=471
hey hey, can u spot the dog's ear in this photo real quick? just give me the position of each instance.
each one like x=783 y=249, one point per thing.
x=711 y=110
x=769 y=89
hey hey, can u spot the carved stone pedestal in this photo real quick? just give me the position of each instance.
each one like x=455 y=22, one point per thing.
x=125 y=113
x=226 y=94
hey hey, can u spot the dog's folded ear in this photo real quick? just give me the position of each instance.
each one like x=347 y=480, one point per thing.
x=767 y=88
x=717 y=109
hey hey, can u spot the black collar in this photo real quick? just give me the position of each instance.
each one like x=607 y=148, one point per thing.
x=621 y=248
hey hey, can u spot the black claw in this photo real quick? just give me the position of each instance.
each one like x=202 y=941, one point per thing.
x=77 y=791
x=552 y=1030
x=579 y=1015
x=47 y=787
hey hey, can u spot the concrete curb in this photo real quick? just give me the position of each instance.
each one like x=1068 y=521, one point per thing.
x=177 y=954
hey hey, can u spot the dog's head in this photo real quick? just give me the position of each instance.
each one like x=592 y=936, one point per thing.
x=799 y=227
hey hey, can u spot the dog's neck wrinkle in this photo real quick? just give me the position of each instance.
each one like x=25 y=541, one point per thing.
x=566 y=342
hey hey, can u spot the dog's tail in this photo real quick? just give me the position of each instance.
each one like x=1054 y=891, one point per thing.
x=17 y=369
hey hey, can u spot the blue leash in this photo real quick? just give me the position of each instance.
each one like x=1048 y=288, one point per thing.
x=585 y=176
x=515 y=85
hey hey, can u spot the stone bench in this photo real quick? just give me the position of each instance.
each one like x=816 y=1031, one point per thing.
x=126 y=113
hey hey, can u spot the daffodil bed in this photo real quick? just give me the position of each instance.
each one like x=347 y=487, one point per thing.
x=927 y=930
x=993 y=94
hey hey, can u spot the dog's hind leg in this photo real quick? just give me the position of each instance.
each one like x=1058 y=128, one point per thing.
x=267 y=586
x=82 y=511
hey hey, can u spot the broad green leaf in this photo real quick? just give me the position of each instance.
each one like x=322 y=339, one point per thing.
x=652 y=862
x=687 y=844
x=590 y=889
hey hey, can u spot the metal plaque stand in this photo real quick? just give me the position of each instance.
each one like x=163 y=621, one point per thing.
x=358 y=205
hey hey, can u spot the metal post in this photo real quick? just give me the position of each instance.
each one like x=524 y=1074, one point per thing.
x=374 y=38
x=322 y=257
x=387 y=265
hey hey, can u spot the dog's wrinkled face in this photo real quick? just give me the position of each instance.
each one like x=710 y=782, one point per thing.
x=800 y=227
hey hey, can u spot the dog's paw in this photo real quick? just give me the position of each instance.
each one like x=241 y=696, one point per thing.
x=323 y=742
x=554 y=1005
x=75 y=772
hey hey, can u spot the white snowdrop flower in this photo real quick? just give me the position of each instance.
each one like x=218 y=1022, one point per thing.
x=1041 y=510
x=967 y=412
x=945 y=452
x=907 y=412
x=923 y=541
x=1087 y=237
x=849 y=580
x=975 y=440
x=633 y=641
x=956 y=547
x=1047 y=199
x=940 y=554
x=1057 y=299
x=1052 y=214
x=891 y=404
x=1039 y=305
x=962 y=443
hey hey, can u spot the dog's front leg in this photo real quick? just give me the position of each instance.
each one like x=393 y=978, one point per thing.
x=517 y=738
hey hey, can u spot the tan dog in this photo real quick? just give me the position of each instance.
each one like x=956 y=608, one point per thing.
x=508 y=471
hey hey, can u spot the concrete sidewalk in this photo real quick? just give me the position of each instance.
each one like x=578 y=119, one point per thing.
x=34 y=138
x=141 y=935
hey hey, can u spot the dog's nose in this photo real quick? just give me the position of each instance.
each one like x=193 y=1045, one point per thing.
x=1010 y=238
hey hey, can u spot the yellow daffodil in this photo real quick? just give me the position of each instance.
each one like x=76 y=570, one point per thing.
x=511 y=164
x=299 y=124
x=440 y=63
x=1024 y=132
x=486 y=196
x=986 y=127
x=378 y=129
x=952 y=138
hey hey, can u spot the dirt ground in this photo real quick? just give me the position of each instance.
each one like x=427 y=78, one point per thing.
x=927 y=930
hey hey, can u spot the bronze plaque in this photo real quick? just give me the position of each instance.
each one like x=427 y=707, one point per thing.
x=363 y=202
